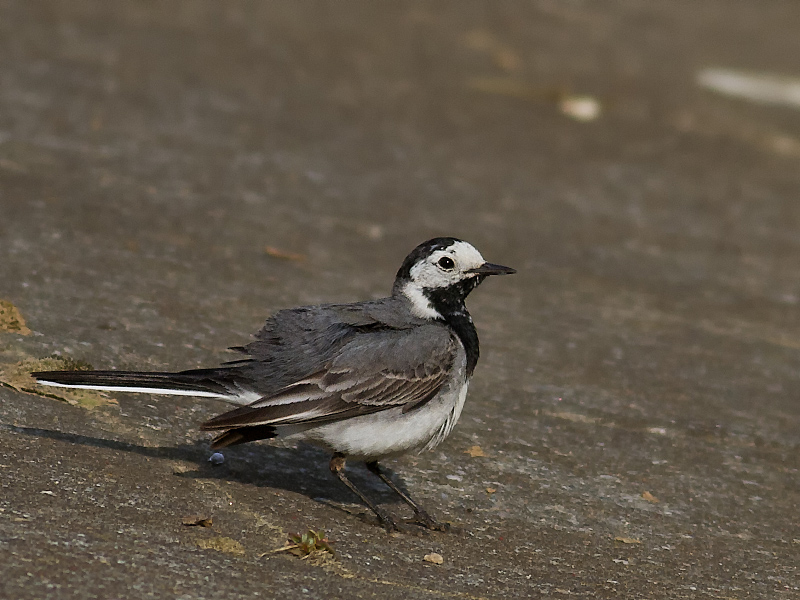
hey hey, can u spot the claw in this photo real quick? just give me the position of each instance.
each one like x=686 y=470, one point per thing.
x=387 y=522
x=423 y=519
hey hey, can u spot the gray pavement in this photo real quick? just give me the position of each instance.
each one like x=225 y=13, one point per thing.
x=172 y=173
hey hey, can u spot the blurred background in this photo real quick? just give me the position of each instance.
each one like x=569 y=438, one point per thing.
x=172 y=173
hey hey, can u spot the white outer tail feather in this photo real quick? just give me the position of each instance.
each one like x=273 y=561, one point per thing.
x=243 y=398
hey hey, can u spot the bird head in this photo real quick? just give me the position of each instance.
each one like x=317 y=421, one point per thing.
x=439 y=274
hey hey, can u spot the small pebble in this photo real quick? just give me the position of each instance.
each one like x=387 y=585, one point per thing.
x=580 y=108
x=433 y=557
x=216 y=459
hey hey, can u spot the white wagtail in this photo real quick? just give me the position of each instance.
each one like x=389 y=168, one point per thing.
x=367 y=380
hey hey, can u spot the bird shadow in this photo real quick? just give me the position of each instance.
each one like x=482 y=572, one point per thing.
x=302 y=470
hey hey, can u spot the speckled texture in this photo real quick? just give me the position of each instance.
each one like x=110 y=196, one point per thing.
x=172 y=173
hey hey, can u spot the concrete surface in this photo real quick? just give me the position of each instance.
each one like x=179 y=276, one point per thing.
x=161 y=164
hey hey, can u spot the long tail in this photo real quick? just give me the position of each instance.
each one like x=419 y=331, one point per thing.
x=209 y=383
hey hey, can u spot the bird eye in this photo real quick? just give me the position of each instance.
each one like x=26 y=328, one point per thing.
x=446 y=263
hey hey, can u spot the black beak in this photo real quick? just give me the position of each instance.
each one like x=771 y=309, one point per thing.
x=490 y=269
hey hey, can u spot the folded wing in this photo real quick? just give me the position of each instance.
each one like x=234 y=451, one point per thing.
x=373 y=372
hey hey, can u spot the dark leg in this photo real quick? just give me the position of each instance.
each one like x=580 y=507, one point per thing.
x=337 y=468
x=420 y=516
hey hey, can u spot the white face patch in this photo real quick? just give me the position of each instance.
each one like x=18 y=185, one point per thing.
x=430 y=274
x=433 y=273
x=420 y=305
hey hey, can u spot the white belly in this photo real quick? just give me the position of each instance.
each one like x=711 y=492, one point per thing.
x=390 y=432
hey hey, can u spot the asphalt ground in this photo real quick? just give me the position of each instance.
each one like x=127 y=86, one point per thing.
x=173 y=173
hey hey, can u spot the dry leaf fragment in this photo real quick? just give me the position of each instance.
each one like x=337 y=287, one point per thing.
x=627 y=540
x=433 y=557
x=475 y=451
x=308 y=544
x=649 y=497
x=283 y=254
x=197 y=521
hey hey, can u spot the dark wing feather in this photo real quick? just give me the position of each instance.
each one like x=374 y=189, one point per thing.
x=242 y=435
x=373 y=372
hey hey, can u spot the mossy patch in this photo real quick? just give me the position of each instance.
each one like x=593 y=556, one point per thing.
x=11 y=319
x=18 y=377
x=222 y=544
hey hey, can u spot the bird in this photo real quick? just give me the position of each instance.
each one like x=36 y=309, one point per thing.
x=366 y=381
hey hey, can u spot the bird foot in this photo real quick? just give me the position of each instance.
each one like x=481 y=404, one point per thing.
x=387 y=522
x=423 y=519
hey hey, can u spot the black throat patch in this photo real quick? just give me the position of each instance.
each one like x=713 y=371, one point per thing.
x=449 y=302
